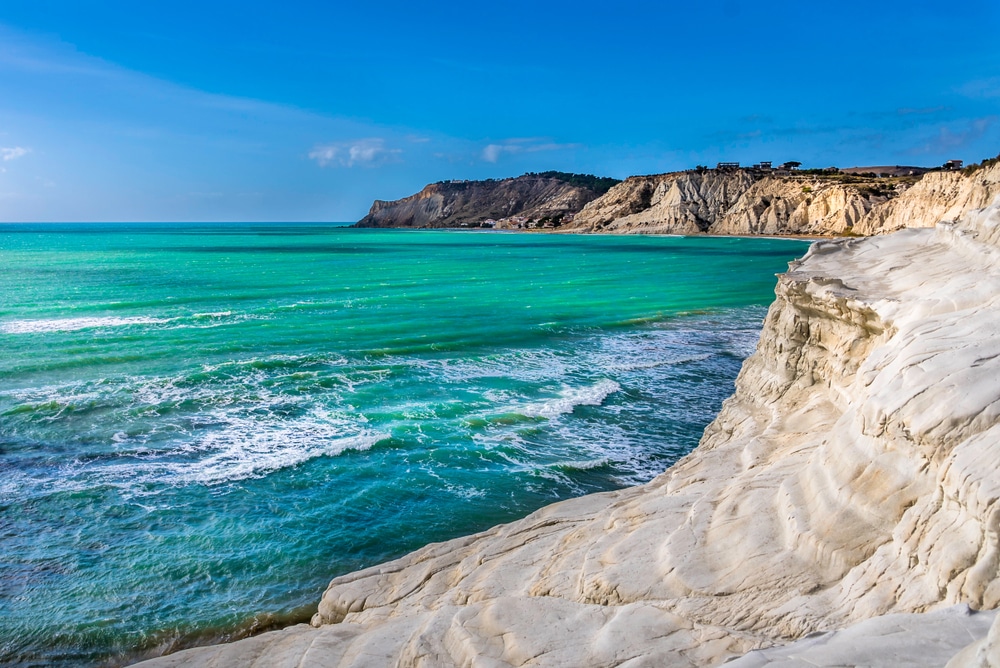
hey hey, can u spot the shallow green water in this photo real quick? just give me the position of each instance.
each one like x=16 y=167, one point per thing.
x=201 y=425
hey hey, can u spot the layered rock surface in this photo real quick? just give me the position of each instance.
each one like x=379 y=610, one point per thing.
x=751 y=203
x=938 y=196
x=736 y=202
x=853 y=474
x=890 y=641
x=680 y=203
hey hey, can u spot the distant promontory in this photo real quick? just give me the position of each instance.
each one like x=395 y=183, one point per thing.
x=543 y=198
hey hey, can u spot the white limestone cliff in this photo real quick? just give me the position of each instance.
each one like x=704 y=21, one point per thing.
x=737 y=202
x=679 y=203
x=801 y=206
x=755 y=203
x=853 y=474
x=938 y=196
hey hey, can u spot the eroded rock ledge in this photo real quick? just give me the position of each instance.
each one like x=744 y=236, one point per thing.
x=853 y=474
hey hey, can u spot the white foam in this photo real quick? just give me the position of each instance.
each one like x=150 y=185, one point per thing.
x=570 y=398
x=244 y=446
x=640 y=366
x=74 y=324
x=224 y=428
x=521 y=365
x=247 y=451
x=582 y=465
x=214 y=319
x=325 y=359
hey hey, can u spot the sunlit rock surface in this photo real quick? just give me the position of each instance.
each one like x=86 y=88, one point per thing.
x=757 y=203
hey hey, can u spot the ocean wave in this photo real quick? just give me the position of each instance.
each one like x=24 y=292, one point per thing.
x=278 y=361
x=521 y=365
x=652 y=364
x=192 y=321
x=268 y=384
x=214 y=319
x=570 y=398
x=582 y=465
x=252 y=450
x=74 y=324
x=241 y=444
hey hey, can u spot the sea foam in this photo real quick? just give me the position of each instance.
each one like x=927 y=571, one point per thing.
x=570 y=398
x=73 y=324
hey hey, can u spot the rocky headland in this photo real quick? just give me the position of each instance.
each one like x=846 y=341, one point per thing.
x=846 y=497
x=546 y=196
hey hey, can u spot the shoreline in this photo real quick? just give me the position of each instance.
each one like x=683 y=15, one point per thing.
x=786 y=237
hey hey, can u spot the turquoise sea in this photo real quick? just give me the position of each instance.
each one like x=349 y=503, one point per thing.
x=201 y=425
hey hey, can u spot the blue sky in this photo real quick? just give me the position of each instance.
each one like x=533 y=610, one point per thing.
x=134 y=111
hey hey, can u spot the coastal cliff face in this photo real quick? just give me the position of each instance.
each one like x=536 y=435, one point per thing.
x=684 y=203
x=937 y=197
x=852 y=475
x=751 y=203
x=738 y=202
x=451 y=203
x=777 y=206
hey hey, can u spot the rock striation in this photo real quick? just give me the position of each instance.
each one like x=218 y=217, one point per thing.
x=747 y=202
x=453 y=203
x=853 y=475
x=890 y=641
x=740 y=202
x=938 y=196
x=680 y=203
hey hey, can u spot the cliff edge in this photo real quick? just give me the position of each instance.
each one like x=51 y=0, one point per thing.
x=852 y=475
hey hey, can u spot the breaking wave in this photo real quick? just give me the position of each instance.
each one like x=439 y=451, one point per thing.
x=74 y=324
x=570 y=398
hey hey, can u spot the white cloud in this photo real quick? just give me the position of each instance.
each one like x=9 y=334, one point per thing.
x=492 y=152
x=13 y=153
x=324 y=155
x=364 y=152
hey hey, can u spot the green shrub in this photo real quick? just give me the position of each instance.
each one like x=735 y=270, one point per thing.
x=599 y=184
